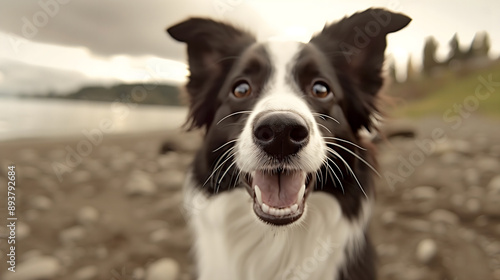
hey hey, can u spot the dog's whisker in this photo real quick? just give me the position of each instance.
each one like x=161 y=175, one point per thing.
x=357 y=156
x=223 y=175
x=326 y=128
x=237 y=178
x=333 y=172
x=225 y=144
x=217 y=166
x=349 y=169
x=217 y=175
x=233 y=114
x=326 y=117
x=346 y=141
x=338 y=168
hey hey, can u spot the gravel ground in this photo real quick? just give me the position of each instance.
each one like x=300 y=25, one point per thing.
x=114 y=211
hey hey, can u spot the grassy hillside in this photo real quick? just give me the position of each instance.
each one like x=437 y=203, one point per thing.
x=435 y=96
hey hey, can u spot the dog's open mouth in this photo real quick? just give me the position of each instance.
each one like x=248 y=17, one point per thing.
x=279 y=195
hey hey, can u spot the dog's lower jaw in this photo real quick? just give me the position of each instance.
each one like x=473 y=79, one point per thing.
x=231 y=242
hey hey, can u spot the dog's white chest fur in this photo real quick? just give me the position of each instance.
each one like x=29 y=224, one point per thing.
x=231 y=243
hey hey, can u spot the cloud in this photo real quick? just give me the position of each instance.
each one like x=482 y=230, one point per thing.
x=22 y=78
x=110 y=27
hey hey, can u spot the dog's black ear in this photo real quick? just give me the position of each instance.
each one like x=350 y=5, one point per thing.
x=356 y=44
x=212 y=47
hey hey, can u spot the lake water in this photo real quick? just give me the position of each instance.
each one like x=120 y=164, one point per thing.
x=30 y=118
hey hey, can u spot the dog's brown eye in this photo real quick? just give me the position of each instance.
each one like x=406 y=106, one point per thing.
x=320 y=90
x=242 y=89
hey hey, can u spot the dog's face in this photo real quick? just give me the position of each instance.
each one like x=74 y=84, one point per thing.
x=279 y=115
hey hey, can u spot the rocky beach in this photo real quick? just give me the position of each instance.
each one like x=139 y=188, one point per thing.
x=112 y=210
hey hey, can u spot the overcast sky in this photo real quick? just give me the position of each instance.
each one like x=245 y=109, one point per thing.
x=59 y=45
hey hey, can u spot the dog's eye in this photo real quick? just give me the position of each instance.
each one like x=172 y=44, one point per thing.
x=242 y=89
x=320 y=90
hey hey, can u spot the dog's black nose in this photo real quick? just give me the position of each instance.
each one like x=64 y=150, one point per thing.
x=281 y=134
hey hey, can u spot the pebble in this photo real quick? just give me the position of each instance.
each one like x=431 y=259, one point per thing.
x=493 y=248
x=160 y=235
x=48 y=183
x=35 y=268
x=426 y=251
x=118 y=165
x=153 y=225
x=31 y=254
x=163 y=269
x=129 y=156
x=389 y=217
x=81 y=176
x=23 y=230
x=87 y=215
x=443 y=147
x=86 y=191
x=28 y=155
x=462 y=146
x=150 y=166
x=86 y=273
x=101 y=252
x=140 y=183
x=444 y=216
x=482 y=221
x=467 y=234
x=475 y=192
x=451 y=158
x=473 y=205
x=57 y=154
x=41 y=202
x=32 y=215
x=488 y=164
x=494 y=185
x=457 y=200
x=387 y=250
x=169 y=160
x=495 y=150
x=92 y=165
x=29 y=172
x=496 y=274
x=72 y=235
x=471 y=176
x=424 y=193
x=138 y=273
x=172 y=179
x=419 y=225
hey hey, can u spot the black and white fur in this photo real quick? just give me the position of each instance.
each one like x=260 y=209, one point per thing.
x=311 y=100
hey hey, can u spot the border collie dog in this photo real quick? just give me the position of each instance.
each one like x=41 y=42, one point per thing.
x=282 y=187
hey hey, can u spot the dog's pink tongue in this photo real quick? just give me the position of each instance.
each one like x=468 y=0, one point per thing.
x=279 y=190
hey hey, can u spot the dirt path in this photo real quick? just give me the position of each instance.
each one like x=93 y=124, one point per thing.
x=117 y=214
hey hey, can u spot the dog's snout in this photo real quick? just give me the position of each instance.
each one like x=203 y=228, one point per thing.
x=281 y=134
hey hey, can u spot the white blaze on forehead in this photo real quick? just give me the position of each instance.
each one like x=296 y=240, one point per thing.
x=282 y=54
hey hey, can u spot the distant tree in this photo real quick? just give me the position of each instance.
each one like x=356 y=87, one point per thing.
x=480 y=45
x=456 y=53
x=486 y=45
x=429 y=59
x=411 y=73
x=392 y=68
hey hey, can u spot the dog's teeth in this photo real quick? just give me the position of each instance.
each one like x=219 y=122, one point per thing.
x=265 y=208
x=294 y=208
x=287 y=211
x=258 y=194
x=301 y=193
x=282 y=212
x=273 y=211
